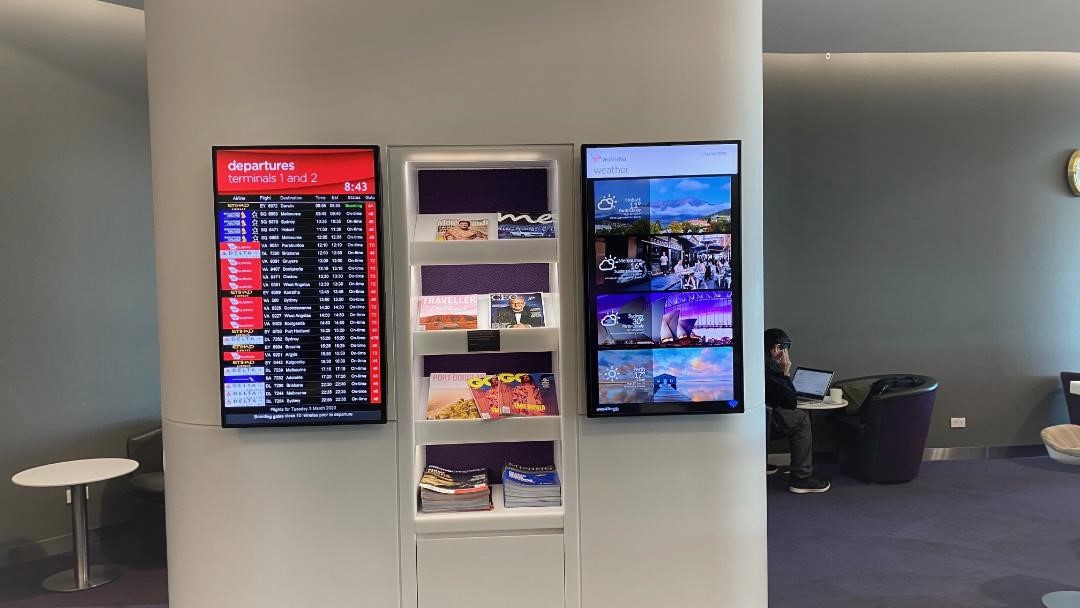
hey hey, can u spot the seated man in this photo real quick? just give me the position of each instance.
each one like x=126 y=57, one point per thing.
x=784 y=419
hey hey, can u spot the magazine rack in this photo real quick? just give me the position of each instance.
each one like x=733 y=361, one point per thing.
x=441 y=554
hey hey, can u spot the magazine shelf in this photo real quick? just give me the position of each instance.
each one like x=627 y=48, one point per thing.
x=456 y=341
x=432 y=189
x=500 y=519
x=532 y=428
x=520 y=251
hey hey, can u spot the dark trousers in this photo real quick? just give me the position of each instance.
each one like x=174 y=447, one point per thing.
x=794 y=425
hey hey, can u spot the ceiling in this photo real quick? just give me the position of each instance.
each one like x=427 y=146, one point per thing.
x=130 y=3
x=910 y=26
x=97 y=42
x=913 y=26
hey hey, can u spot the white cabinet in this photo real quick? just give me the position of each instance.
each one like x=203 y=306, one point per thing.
x=522 y=557
x=523 y=571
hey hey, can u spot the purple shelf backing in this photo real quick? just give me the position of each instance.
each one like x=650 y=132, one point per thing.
x=482 y=190
x=483 y=278
x=488 y=362
x=449 y=191
x=492 y=456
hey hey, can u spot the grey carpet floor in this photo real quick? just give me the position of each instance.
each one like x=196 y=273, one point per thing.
x=964 y=534
x=968 y=534
x=137 y=547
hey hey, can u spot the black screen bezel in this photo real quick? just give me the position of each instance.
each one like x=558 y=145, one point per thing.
x=383 y=410
x=588 y=276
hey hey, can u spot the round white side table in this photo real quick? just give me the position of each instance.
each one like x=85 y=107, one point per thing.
x=816 y=406
x=1062 y=599
x=75 y=474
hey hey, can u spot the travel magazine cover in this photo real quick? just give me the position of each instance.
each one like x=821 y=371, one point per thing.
x=447 y=312
x=450 y=398
x=517 y=310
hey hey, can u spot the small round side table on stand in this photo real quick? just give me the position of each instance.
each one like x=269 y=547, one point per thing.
x=75 y=474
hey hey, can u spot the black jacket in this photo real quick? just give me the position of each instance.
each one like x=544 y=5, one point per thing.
x=779 y=390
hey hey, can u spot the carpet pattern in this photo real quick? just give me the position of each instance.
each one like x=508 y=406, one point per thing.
x=964 y=534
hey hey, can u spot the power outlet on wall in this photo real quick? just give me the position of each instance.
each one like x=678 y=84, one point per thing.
x=958 y=423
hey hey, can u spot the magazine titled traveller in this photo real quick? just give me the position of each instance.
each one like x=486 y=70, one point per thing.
x=447 y=312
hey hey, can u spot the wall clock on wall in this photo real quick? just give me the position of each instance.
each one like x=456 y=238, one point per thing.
x=1073 y=172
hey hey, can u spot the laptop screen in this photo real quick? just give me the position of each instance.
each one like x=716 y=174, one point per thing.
x=812 y=382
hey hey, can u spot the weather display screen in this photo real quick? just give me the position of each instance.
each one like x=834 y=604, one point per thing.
x=662 y=279
x=299 y=288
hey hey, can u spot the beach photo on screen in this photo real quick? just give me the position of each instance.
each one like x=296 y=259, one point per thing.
x=693 y=374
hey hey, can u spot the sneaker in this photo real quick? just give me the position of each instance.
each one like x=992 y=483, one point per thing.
x=771 y=469
x=808 y=485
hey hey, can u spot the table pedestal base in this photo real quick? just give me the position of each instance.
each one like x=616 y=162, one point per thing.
x=1062 y=599
x=66 y=580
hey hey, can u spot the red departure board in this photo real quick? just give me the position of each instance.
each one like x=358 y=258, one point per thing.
x=299 y=285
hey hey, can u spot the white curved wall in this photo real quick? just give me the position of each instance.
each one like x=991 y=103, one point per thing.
x=430 y=72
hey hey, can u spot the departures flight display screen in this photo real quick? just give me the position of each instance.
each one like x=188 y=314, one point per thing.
x=299 y=285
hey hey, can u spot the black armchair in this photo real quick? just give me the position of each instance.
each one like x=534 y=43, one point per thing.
x=148 y=481
x=883 y=441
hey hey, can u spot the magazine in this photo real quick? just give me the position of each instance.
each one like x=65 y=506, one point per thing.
x=531 y=486
x=447 y=312
x=450 y=398
x=450 y=481
x=461 y=229
x=447 y=490
x=516 y=310
x=524 y=393
x=488 y=395
x=526 y=226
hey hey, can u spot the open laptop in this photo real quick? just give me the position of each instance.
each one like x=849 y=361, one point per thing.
x=811 y=384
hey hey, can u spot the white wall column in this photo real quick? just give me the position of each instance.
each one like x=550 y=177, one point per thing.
x=290 y=517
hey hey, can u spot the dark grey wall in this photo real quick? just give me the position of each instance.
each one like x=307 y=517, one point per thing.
x=917 y=220
x=78 y=352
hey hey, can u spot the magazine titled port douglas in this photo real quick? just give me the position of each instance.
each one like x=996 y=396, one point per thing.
x=450 y=398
